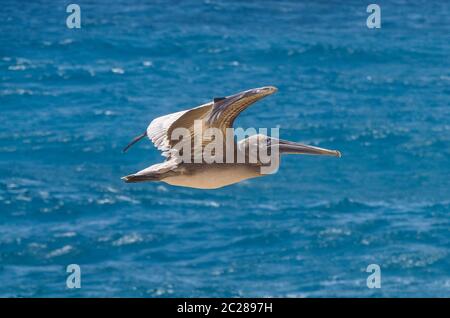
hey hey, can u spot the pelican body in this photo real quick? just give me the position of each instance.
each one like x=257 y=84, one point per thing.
x=217 y=115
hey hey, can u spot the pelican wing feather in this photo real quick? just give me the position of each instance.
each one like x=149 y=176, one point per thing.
x=226 y=110
x=219 y=113
x=160 y=129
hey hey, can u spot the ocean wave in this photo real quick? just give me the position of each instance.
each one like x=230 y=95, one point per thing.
x=128 y=239
x=67 y=249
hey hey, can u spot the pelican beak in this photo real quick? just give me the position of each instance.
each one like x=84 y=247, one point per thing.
x=298 y=148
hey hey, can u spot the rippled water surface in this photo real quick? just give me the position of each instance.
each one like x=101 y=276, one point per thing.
x=71 y=99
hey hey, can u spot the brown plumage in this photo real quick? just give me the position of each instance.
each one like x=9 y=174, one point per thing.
x=220 y=114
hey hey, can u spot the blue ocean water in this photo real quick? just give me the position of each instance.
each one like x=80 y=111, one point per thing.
x=72 y=98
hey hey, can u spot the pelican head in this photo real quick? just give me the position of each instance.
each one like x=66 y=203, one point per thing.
x=271 y=144
x=266 y=151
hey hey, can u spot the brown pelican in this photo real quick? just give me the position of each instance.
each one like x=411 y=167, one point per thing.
x=218 y=114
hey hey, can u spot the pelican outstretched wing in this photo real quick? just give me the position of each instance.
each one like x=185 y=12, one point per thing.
x=226 y=109
x=160 y=129
x=219 y=113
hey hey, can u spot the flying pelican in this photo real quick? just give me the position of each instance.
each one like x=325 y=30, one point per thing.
x=220 y=114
